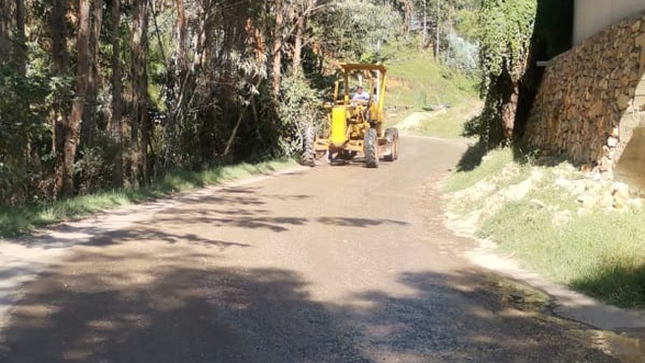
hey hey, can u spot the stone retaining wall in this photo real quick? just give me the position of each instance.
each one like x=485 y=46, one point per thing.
x=592 y=97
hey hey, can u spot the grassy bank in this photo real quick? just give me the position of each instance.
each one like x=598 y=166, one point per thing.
x=19 y=221
x=417 y=84
x=556 y=220
x=449 y=123
x=415 y=80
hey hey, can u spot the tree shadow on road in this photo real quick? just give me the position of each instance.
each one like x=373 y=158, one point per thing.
x=243 y=208
x=178 y=310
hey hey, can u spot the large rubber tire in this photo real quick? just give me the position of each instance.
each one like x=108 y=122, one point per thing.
x=392 y=138
x=309 y=153
x=370 y=148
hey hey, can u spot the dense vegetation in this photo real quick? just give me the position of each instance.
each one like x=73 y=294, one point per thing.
x=102 y=94
x=97 y=95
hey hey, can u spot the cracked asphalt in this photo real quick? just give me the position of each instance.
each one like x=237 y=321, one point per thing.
x=333 y=264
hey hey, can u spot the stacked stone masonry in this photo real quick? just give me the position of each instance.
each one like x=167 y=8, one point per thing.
x=592 y=97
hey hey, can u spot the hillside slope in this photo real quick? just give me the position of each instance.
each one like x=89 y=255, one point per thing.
x=440 y=98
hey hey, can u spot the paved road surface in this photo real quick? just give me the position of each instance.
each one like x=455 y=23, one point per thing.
x=334 y=264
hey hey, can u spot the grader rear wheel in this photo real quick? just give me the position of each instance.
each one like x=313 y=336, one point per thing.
x=370 y=148
x=392 y=139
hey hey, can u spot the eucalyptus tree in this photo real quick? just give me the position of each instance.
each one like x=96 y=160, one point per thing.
x=71 y=125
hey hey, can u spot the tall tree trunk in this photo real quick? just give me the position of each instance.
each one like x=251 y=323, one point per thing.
x=115 y=125
x=175 y=81
x=71 y=128
x=408 y=10
x=19 y=52
x=139 y=89
x=58 y=35
x=276 y=69
x=59 y=68
x=255 y=39
x=182 y=32
x=89 y=113
x=425 y=23
x=509 y=110
x=12 y=33
x=6 y=26
x=297 y=44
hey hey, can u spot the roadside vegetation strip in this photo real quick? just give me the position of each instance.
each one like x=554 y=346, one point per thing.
x=20 y=221
x=476 y=167
x=586 y=234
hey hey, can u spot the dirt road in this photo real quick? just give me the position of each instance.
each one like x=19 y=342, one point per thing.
x=334 y=264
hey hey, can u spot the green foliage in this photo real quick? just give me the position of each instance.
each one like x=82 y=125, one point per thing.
x=505 y=36
x=416 y=83
x=466 y=23
x=23 y=106
x=300 y=107
x=352 y=28
x=461 y=55
x=509 y=33
x=93 y=169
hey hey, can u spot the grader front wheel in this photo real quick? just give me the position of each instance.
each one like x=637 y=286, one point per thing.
x=370 y=148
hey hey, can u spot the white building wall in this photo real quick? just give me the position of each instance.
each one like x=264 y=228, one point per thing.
x=591 y=16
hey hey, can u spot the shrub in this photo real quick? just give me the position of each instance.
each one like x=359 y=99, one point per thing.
x=22 y=133
x=461 y=54
x=301 y=106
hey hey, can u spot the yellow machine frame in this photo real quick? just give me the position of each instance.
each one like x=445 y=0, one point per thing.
x=349 y=121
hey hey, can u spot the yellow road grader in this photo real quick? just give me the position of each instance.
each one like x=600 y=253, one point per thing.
x=355 y=129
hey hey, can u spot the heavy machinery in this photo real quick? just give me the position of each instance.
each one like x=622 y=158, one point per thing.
x=356 y=126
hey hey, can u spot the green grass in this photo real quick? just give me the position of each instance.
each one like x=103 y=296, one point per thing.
x=490 y=166
x=20 y=221
x=416 y=82
x=449 y=124
x=601 y=254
